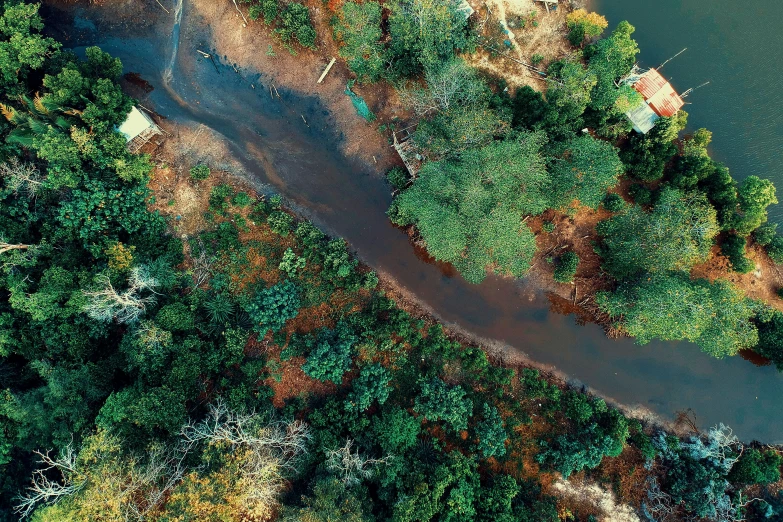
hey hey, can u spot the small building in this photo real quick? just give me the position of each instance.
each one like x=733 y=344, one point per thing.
x=138 y=129
x=660 y=100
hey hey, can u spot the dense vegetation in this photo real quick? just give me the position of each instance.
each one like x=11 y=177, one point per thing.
x=264 y=374
x=494 y=160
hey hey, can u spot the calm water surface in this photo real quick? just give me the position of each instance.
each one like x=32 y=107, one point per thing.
x=737 y=47
x=302 y=163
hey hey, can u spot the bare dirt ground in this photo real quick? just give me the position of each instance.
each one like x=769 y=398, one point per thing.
x=513 y=31
x=247 y=47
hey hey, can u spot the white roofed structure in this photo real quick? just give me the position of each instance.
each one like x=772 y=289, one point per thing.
x=138 y=129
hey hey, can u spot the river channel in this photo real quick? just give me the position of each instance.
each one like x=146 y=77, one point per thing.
x=346 y=198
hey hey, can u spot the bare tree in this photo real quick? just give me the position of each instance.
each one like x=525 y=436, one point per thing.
x=660 y=505
x=136 y=486
x=106 y=303
x=46 y=490
x=5 y=246
x=351 y=467
x=202 y=266
x=268 y=450
x=22 y=178
x=453 y=84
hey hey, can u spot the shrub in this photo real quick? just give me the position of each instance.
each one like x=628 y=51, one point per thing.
x=640 y=194
x=200 y=172
x=242 y=200
x=280 y=222
x=439 y=401
x=537 y=59
x=548 y=226
x=490 y=433
x=371 y=385
x=733 y=247
x=272 y=307
x=266 y=9
x=775 y=249
x=565 y=270
x=295 y=23
x=613 y=202
x=331 y=357
x=398 y=178
x=291 y=263
x=755 y=467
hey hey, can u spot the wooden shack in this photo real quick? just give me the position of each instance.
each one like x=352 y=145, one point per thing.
x=138 y=129
x=659 y=100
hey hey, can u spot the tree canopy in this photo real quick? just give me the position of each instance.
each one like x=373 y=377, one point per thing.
x=469 y=209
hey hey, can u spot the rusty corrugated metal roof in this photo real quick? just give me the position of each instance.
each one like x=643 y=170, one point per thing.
x=659 y=93
x=666 y=102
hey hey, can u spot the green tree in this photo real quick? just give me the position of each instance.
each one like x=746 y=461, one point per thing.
x=469 y=210
x=756 y=467
x=716 y=316
x=331 y=356
x=424 y=33
x=371 y=385
x=609 y=60
x=491 y=433
x=753 y=197
x=567 y=97
x=646 y=155
x=439 y=401
x=22 y=48
x=676 y=235
x=396 y=430
x=358 y=28
x=272 y=307
x=583 y=169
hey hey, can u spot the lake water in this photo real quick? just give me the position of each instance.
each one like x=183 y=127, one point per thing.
x=349 y=199
x=737 y=47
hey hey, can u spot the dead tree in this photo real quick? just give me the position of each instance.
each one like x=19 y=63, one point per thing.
x=106 y=303
x=24 y=178
x=351 y=467
x=46 y=490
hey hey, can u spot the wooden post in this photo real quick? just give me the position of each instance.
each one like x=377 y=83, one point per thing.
x=326 y=71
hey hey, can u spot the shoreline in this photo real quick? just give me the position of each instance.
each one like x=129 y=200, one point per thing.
x=303 y=210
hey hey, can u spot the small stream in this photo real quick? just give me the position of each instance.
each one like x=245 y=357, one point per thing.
x=346 y=198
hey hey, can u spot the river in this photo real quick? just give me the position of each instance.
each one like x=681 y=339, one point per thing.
x=348 y=199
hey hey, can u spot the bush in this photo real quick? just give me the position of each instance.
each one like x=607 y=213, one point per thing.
x=613 y=202
x=537 y=59
x=280 y=222
x=200 y=172
x=371 y=385
x=755 y=467
x=242 y=200
x=765 y=233
x=775 y=249
x=640 y=194
x=398 y=178
x=439 y=401
x=565 y=270
x=272 y=307
x=733 y=247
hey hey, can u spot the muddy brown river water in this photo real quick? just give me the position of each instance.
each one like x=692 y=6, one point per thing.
x=348 y=199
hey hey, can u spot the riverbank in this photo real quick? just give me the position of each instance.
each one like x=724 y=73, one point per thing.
x=279 y=153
